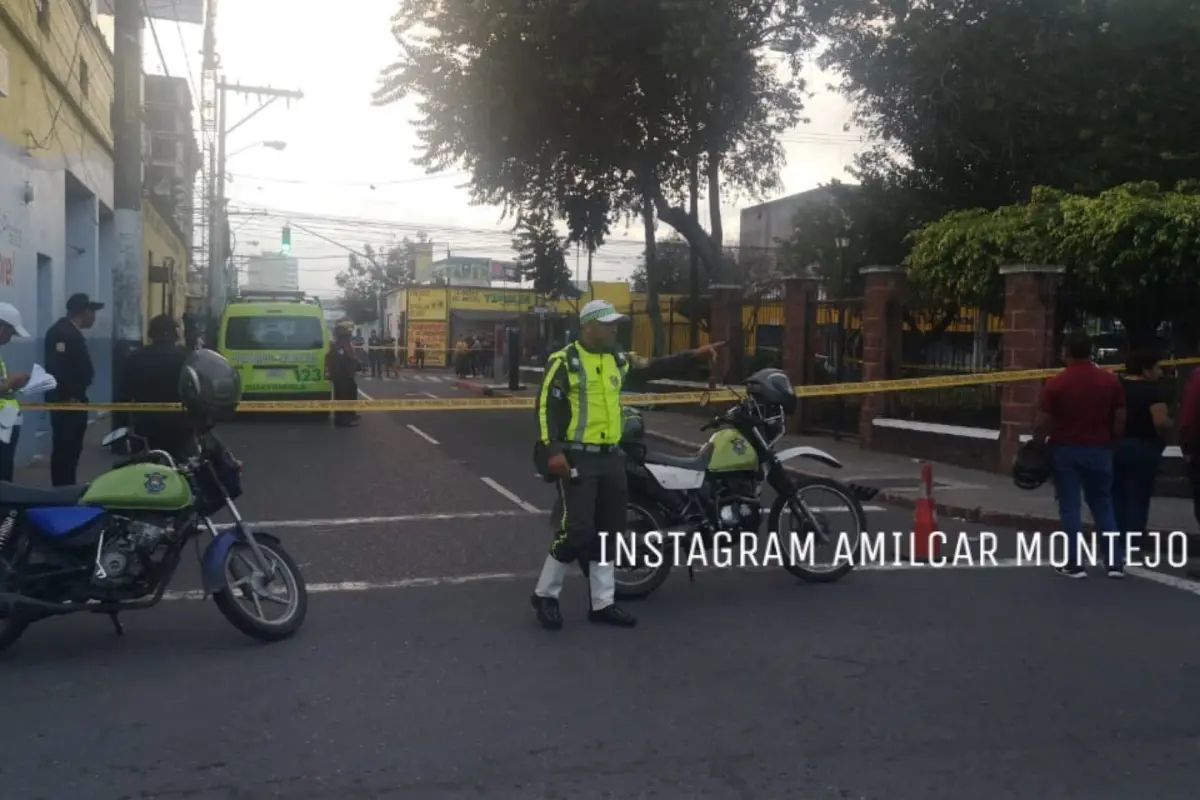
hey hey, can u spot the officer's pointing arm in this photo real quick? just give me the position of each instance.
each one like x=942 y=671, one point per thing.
x=551 y=407
x=642 y=370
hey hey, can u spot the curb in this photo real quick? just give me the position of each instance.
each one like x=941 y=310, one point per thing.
x=967 y=513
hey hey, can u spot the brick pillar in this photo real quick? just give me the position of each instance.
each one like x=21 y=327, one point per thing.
x=726 y=326
x=882 y=329
x=799 y=321
x=1030 y=300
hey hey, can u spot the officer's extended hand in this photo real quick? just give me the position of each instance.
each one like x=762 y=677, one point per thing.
x=17 y=381
x=558 y=467
x=709 y=351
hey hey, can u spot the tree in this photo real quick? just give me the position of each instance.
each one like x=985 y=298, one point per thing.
x=589 y=99
x=1132 y=252
x=672 y=270
x=370 y=275
x=979 y=101
x=541 y=255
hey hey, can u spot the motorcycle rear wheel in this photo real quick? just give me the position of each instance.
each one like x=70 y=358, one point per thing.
x=14 y=620
x=836 y=488
x=253 y=623
x=628 y=589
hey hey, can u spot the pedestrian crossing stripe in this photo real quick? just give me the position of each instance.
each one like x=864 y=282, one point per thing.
x=675 y=398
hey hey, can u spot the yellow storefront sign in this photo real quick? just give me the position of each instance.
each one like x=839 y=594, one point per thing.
x=427 y=304
x=432 y=336
x=514 y=301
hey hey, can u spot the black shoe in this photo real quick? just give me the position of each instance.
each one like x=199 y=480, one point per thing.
x=1116 y=573
x=548 y=613
x=1071 y=572
x=613 y=615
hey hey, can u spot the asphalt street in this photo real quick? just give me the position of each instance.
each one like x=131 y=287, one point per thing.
x=421 y=672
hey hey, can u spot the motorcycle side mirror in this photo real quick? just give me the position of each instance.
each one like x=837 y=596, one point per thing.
x=705 y=400
x=114 y=437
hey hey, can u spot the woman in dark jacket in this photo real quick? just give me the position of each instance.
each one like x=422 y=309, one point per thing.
x=1139 y=450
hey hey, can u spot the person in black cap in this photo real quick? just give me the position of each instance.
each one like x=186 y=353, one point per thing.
x=152 y=376
x=68 y=360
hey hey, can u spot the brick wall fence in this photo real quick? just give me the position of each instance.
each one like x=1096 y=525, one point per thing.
x=1028 y=342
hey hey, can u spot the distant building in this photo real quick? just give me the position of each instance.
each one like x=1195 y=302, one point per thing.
x=466 y=271
x=272 y=272
x=764 y=224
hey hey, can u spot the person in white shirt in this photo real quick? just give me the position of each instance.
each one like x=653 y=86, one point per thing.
x=10 y=326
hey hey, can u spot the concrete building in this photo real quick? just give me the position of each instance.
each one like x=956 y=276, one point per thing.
x=57 y=233
x=764 y=224
x=172 y=165
x=272 y=272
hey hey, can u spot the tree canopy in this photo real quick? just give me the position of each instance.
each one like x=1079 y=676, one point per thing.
x=976 y=102
x=372 y=274
x=541 y=255
x=1132 y=252
x=590 y=108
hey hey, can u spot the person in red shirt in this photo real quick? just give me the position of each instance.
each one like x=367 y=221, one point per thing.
x=1081 y=412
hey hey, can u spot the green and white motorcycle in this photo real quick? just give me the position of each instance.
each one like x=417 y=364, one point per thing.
x=719 y=489
x=114 y=545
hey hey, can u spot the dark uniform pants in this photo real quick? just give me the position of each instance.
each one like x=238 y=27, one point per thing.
x=67 y=429
x=8 y=455
x=344 y=388
x=592 y=505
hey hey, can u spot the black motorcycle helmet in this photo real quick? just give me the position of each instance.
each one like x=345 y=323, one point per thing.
x=633 y=428
x=772 y=387
x=209 y=388
x=1031 y=466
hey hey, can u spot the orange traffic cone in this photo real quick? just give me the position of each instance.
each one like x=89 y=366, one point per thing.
x=925 y=547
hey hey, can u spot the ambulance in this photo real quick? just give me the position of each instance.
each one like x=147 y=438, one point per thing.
x=277 y=341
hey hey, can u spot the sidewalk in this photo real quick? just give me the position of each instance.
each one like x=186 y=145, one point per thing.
x=973 y=495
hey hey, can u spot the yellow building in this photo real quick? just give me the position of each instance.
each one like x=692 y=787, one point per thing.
x=164 y=265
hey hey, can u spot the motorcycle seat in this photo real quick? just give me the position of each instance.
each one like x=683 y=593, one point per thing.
x=697 y=462
x=13 y=494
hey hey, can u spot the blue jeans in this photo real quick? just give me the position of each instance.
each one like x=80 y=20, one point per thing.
x=1135 y=468
x=1086 y=469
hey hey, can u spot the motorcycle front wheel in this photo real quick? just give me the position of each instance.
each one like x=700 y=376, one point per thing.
x=837 y=496
x=249 y=596
x=634 y=581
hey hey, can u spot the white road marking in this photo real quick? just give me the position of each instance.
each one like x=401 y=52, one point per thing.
x=430 y=395
x=364 y=395
x=343 y=522
x=1162 y=578
x=506 y=493
x=831 y=509
x=423 y=434
x=506 y=577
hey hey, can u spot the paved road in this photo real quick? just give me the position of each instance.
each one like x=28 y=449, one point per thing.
x=891 y=685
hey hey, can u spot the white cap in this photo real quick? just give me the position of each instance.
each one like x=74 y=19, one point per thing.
x=599 y=311
x=9 y=314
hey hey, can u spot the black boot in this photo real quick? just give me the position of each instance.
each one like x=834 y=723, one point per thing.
x=548 y=614
x=613 y=615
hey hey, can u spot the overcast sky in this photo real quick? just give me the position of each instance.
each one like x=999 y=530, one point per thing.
x=339 y=145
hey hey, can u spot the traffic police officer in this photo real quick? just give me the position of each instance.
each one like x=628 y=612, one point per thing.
x=10 y=326
x=152 y=375
x=580 y=424
x=68 y=360
x=341 y=368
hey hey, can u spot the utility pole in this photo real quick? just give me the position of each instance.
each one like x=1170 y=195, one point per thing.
x=127 y=189
x=218 y=280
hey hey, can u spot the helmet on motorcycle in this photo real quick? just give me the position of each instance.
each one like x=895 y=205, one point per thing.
x=633 y=428
x=1031 y=466
x=772 y=387
x=209 y=387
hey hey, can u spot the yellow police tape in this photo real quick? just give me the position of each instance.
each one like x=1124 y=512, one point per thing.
x=652 y=399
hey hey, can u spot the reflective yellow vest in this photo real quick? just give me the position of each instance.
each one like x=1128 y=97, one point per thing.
x=4 y=400
x=595 y=381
